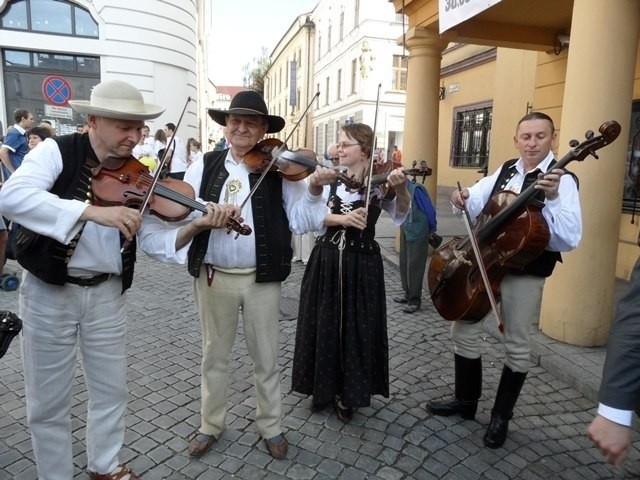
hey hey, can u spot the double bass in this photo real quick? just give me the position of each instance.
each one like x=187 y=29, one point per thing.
x=510 y=232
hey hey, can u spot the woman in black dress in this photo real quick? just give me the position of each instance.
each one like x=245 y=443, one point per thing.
x=341 y=350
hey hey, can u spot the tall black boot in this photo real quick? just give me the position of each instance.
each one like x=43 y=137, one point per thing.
x=468 y=388
x=508 y=392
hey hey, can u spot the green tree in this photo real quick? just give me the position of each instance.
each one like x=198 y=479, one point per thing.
x=253 y=73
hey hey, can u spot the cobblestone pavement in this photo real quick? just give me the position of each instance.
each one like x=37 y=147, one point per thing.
x=394 y=438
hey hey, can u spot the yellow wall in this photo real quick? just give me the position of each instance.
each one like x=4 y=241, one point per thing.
x=515 y=79
x=550 y=80
x=508 y=83
x=513 y=94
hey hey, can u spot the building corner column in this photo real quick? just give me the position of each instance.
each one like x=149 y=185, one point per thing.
x=422 y=110
x=578 y=300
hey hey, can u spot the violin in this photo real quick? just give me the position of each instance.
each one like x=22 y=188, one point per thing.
x=510 y=233
x=126 y=182
x=422 y=171
x=293 y=166
x=381 y=178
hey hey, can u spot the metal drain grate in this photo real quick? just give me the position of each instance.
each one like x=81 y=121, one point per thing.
x=288 y=308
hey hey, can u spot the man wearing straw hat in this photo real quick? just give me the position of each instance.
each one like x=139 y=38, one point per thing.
x=75 y=275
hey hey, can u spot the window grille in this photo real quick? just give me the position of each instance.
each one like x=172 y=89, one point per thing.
x=471 y=137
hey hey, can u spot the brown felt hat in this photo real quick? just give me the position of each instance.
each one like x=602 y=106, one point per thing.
x=248 y=102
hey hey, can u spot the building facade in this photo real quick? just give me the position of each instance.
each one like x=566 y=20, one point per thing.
x=56 y=50
x=577 y=61
x=343 y=53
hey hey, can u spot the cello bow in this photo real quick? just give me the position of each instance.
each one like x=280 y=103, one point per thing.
x=483 y=271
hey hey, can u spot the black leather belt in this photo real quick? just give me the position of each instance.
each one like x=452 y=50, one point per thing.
x=89 y=281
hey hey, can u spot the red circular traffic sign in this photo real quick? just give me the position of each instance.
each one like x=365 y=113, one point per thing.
x=56 y=90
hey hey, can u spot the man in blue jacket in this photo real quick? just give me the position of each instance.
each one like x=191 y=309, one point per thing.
x=416 y=233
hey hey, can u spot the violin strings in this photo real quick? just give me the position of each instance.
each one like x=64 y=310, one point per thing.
x=166 y=192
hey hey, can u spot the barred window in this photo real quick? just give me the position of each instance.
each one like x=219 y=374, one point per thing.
x=471 y=137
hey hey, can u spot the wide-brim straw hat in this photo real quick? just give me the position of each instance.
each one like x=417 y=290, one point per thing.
x=248 y=102
x=117 y=99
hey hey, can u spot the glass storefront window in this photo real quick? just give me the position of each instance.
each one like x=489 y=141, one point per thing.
x=27 y=73
x=88 y=65
x=51 y=61
x=13 y=58
x=85 y=25
x=15 y=16
x=58 y=17
x=51 y=17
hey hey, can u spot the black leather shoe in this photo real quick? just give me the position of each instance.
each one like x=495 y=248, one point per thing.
x=400 y=299
x=496 y=432
x=466 y=410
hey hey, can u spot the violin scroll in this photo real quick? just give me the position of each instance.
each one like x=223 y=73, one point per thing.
x=610 y=130
x=240 y=228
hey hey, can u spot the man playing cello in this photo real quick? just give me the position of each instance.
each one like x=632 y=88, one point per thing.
x=520 y=290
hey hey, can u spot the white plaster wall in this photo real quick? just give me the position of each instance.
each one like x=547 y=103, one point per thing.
x=151 y=44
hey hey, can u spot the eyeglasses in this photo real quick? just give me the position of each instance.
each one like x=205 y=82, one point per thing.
x=344 y=145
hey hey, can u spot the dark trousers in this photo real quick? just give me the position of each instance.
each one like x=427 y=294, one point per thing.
x=177 y=175
x=413 y=262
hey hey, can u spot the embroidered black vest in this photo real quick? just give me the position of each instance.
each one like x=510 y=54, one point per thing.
x=543 y=265
x=270 y=223
x=47 y=258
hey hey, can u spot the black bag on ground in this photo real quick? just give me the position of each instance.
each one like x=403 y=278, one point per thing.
x=10 y=326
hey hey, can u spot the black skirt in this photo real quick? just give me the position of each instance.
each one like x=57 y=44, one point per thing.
x=341 y=343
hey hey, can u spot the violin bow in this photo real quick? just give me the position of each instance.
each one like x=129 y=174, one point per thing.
x=481 y=266
x=373 y=149
x=156 y=175
x=276 y=152
x=163 y=160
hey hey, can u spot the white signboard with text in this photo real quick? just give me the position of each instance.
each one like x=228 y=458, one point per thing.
x=452 y=12
x=55 y=111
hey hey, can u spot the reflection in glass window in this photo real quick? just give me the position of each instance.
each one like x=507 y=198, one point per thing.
x=85 y=25
x=15 y=16
x=51 y=61
x=53 y=17
x=88 y=65
x=58 y=17
x=13 y=58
